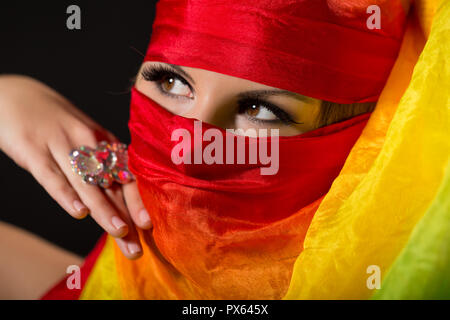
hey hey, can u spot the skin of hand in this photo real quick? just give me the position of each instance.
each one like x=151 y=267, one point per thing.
x=38 y=129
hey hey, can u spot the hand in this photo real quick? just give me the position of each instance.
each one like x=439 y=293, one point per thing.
x=38 y=129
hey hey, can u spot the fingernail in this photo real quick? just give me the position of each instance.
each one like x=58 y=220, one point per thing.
x=118 y=223
x=134 y=248
x=143 y=215
x=80 y=207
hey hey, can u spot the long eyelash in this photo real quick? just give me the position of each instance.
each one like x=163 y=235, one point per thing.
x=156 y=73
x=282 y=115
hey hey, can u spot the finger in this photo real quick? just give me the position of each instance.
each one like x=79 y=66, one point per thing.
x=110 y=136
x=135 y=206
x=130 y=249
x=88 y=127
x=74 y=111
x=45 y=170
x=101 y=209
x=102 y=134
x=130 y=244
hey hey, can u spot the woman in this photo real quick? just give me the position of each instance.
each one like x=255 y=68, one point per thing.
x=242 y=240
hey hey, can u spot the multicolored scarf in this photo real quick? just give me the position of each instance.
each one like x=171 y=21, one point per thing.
x=385 y=213
x=243 y=228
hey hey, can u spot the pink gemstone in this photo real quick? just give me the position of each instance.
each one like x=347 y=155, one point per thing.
x=103 y=165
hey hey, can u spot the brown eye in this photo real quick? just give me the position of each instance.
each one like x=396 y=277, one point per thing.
x=168 y=83
x=260 y=112
x=175 y=86
x=253 y=110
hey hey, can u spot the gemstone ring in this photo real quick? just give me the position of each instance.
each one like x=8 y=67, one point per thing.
x=102 y=166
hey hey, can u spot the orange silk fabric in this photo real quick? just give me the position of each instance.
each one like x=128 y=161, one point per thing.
x=265 y=274
x=224 y=231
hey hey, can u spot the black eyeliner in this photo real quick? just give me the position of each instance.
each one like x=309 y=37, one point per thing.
x=155 y=73
x=282 y=115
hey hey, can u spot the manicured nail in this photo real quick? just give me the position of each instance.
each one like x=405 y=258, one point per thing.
x=80 y=207
x=143 y=215
x=118 y=223
x=134 y=248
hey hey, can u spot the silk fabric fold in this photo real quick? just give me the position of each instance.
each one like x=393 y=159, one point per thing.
x=387 y=185
x=224 y=231
x=327 y=50
x=389 y=201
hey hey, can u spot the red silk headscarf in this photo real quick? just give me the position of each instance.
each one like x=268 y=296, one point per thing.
x=318 y=48
x=226 y=231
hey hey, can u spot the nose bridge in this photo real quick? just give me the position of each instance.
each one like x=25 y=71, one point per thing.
x=211 y=106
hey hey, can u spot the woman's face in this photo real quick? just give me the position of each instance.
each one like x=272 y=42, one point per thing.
x=226 y=101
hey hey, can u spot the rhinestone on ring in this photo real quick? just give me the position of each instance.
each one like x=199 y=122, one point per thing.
x=103 y=165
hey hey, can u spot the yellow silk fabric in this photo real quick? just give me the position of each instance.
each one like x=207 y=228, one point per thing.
x=103 y=282
x=391 y=175
x=367 y=216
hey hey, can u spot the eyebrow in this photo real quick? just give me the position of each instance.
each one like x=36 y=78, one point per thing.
x=181 y=71
x=254 y=94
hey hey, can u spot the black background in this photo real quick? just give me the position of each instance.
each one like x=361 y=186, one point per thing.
x=93 y=68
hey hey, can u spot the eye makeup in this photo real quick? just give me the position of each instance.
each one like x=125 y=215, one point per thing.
x=246 y=104
x=159 y=73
